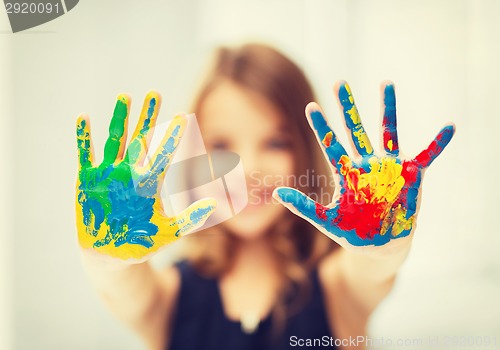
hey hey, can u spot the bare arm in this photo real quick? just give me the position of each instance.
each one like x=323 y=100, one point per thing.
x=354 y=285
x=140 y=296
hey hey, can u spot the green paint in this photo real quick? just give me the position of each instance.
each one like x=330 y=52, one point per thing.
x=116 y=131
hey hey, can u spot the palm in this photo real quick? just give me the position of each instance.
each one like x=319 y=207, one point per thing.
x=376 y=197
x=119 y=211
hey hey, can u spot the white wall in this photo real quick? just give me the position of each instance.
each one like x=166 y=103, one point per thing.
x=442 y=55
x=6 y=269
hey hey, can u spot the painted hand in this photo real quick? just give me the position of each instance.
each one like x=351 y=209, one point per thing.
x=118 y=208
x=376 y=197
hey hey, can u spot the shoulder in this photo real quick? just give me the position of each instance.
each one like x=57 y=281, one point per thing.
x=185 y=275
x=195 y=301
x=187 y=289
x=177 y=275
x=185 y=294
x=178 y=278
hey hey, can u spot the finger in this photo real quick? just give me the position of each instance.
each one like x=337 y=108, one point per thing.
x=389 y=126
x=165 y=152
x=303 y=206
x=427 y=156
x=84 y=143
x=115 y=144
x=352 y=119
x=333 y=149
x=138 y=147
x=193 y=217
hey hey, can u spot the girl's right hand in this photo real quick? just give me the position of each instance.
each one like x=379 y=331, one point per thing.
x=118 y=207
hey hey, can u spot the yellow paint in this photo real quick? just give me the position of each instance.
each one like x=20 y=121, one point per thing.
x=358 y=131
x=363 y=140
x=166 y=234
x=389 y=145
x=354 y=115
x=401 y=223
x=348 y=89
x=382 y=183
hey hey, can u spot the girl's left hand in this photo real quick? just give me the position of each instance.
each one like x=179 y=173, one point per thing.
x=377 y=196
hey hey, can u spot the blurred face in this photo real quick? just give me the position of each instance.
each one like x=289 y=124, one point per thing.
x=243 y=122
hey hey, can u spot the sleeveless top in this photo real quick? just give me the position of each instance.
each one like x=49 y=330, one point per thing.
x=200 y=323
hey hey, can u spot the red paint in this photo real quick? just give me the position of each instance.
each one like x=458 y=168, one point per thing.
x=327 y=140
x=353 y=177
x=410 y=171
x=387 y=137
x=363 y=216
x=321 y=211
x=426 y=156
x=359 y=211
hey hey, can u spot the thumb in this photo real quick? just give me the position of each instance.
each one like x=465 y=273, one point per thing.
x=301 y=205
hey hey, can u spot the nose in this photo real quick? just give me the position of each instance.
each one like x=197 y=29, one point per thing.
x=251 y=164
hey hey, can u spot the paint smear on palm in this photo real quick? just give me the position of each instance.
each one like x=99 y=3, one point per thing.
x=372 y=196
x=376 y=198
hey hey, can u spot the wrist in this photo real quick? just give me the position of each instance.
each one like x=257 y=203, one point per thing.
x=378 y=264
x=90 y=258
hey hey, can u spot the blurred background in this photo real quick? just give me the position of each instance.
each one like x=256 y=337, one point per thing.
x=442 y=55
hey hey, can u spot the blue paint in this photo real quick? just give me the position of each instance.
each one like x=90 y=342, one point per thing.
x=307 y=208
x=83 y=143
x=335 y=151
x=195 y=217
x=427 y=156
x=147 y=121
x=199 y=214
x=163 y=158
x=389 y=122
x=129 y=217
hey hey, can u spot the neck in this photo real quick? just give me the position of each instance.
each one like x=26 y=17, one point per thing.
x=250 y=287
x=254 y=256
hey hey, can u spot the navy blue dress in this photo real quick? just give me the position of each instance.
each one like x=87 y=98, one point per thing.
x=200 y=322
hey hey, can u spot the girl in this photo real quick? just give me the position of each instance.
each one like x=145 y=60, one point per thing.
x=265 y=279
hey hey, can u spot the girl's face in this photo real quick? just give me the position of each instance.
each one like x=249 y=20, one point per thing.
x=238 y=120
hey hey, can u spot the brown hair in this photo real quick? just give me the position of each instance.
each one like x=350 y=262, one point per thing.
x=264 y=70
